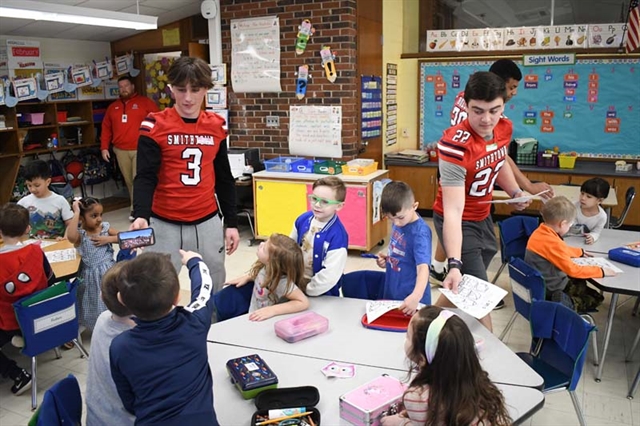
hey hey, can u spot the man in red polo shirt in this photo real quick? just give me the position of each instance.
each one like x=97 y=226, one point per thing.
x=120 y=128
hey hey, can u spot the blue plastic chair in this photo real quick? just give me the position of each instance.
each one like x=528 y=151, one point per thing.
x=559 y=347
x=514 y=235
x=363 y=284
x=48 y=319
x=527 y=285
x=61 y=405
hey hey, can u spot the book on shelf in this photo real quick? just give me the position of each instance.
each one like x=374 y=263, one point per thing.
x=414 y=155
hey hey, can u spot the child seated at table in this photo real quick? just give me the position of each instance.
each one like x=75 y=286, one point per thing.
x=49 y=213
x=275 y=277
x=407 y=259
x=551 y=256
x=591 y=216
x=24 y=270
x=323 y=238
x=161 y=367
x=104 y=406
x=442 y=350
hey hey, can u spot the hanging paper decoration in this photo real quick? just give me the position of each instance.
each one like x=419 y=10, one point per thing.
x=25 y=88
x=40 y=93
x=81 y=76
x=122 y=64
x=54 y=82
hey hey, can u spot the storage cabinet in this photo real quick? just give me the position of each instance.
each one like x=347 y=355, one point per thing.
x=71 y=121
x=422 y=180
x=279 y=198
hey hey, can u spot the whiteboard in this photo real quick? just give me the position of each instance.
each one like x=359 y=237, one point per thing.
x=255 y=55
x=592 y=107
x=315 y=131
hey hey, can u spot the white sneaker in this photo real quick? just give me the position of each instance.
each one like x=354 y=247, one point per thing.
x=131 y=218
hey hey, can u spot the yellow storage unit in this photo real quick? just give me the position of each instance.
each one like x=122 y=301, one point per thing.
x=278 y=204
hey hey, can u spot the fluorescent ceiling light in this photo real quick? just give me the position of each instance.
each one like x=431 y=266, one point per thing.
x=26 y=9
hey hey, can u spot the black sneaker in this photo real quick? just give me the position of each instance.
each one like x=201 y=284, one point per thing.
x=435 y=277
x=21 y=383
x=499 y=306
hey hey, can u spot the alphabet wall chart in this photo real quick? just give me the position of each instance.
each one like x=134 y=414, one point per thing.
x=592 y=106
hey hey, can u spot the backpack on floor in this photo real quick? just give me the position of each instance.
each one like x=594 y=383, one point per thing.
x=96 y=170
x=20 y=186
x=59 y=183
x=74 y=169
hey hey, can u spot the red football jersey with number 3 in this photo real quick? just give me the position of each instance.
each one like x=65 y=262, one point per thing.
x=482 y=160
x=186 y=179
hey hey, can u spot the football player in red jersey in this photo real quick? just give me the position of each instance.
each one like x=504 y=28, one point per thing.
x=472 y=158
x=511 y=74
x=182 y=166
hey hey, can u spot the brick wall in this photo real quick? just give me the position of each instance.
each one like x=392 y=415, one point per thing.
x=335 y=24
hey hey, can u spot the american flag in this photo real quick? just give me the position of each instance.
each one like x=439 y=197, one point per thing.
x=633 y=28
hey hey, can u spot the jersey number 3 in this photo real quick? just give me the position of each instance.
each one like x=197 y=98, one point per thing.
x=479 y=187
x=194 y=160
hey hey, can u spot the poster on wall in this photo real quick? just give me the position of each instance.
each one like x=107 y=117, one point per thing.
x=371 y=107
x=255 y=55
x=591 y=106
x=24 y=54
x=156 y=67
x=315 y=131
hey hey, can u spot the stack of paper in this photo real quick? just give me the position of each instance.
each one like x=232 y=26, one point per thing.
x=414 y=155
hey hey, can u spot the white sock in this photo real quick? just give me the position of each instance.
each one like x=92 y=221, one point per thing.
x=437 y=265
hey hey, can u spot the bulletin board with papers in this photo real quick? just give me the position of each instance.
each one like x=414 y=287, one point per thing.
x=315 y=131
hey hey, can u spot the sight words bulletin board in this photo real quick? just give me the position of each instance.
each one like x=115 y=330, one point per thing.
x=591 y=106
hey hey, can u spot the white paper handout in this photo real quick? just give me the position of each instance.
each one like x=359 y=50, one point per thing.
x=596 y=261
x=475 y=296
x=377 y=308
x=515 y=200
x=60 y=255
x=43 y=243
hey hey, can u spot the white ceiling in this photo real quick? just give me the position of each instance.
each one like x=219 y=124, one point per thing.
x=167 y=11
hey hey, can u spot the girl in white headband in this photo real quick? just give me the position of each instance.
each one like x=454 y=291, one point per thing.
x=450 y=387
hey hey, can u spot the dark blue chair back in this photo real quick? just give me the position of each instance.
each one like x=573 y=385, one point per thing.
x=62 y=404
x=514 y=234
x=48 y=323
x=363 y=284
x=527 y=285
x=565 y=336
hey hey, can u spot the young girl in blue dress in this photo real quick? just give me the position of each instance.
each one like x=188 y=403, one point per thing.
x=93 y=240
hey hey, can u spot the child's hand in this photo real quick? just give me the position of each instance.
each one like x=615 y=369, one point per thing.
x=608 y=272
x=61 y=238
x=76 y=207
x=238 y=282
x=381 y=260
x=188 y=255
x=395 y=420
x=262 y=314
x=101 y=240
x=588 y=239
x=410 y=304
x=585 y=254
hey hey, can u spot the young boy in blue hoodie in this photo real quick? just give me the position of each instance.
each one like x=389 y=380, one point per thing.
x=160 y=367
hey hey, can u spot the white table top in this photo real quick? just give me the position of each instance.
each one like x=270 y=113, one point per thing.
x=609 y=238
x=627 y=282
x=569 y=191
x=293 y=371
x=348 y=341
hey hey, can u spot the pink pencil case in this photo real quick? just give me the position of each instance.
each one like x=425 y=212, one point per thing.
x=369 y=403
x=301 y=327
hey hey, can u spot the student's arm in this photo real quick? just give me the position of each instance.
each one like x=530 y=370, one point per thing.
x=65 y=214
x=201 y=286
x=294 y=233
x=148 y=164
x=122 y=384
x=527 y=185
x=226 y=192
x=594 y=233
x=73 y=235
x=453 y=200
x=560 y=255
x=297 y=302
x=507 y=181
x=329 y=275
x=240 y=281
x=422 y=260
x=101 y=240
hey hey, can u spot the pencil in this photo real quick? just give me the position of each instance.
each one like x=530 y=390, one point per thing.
x=311 y=421
x=279 y=419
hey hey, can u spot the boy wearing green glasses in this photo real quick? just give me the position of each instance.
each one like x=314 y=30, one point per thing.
x=323 y=238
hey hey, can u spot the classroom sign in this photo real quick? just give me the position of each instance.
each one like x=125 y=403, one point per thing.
x=590 y=106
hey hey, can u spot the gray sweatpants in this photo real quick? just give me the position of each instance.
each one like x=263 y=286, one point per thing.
x=206 y=238
x=479 y=245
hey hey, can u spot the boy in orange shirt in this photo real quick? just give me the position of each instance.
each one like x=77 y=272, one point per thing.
x=549 y=254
